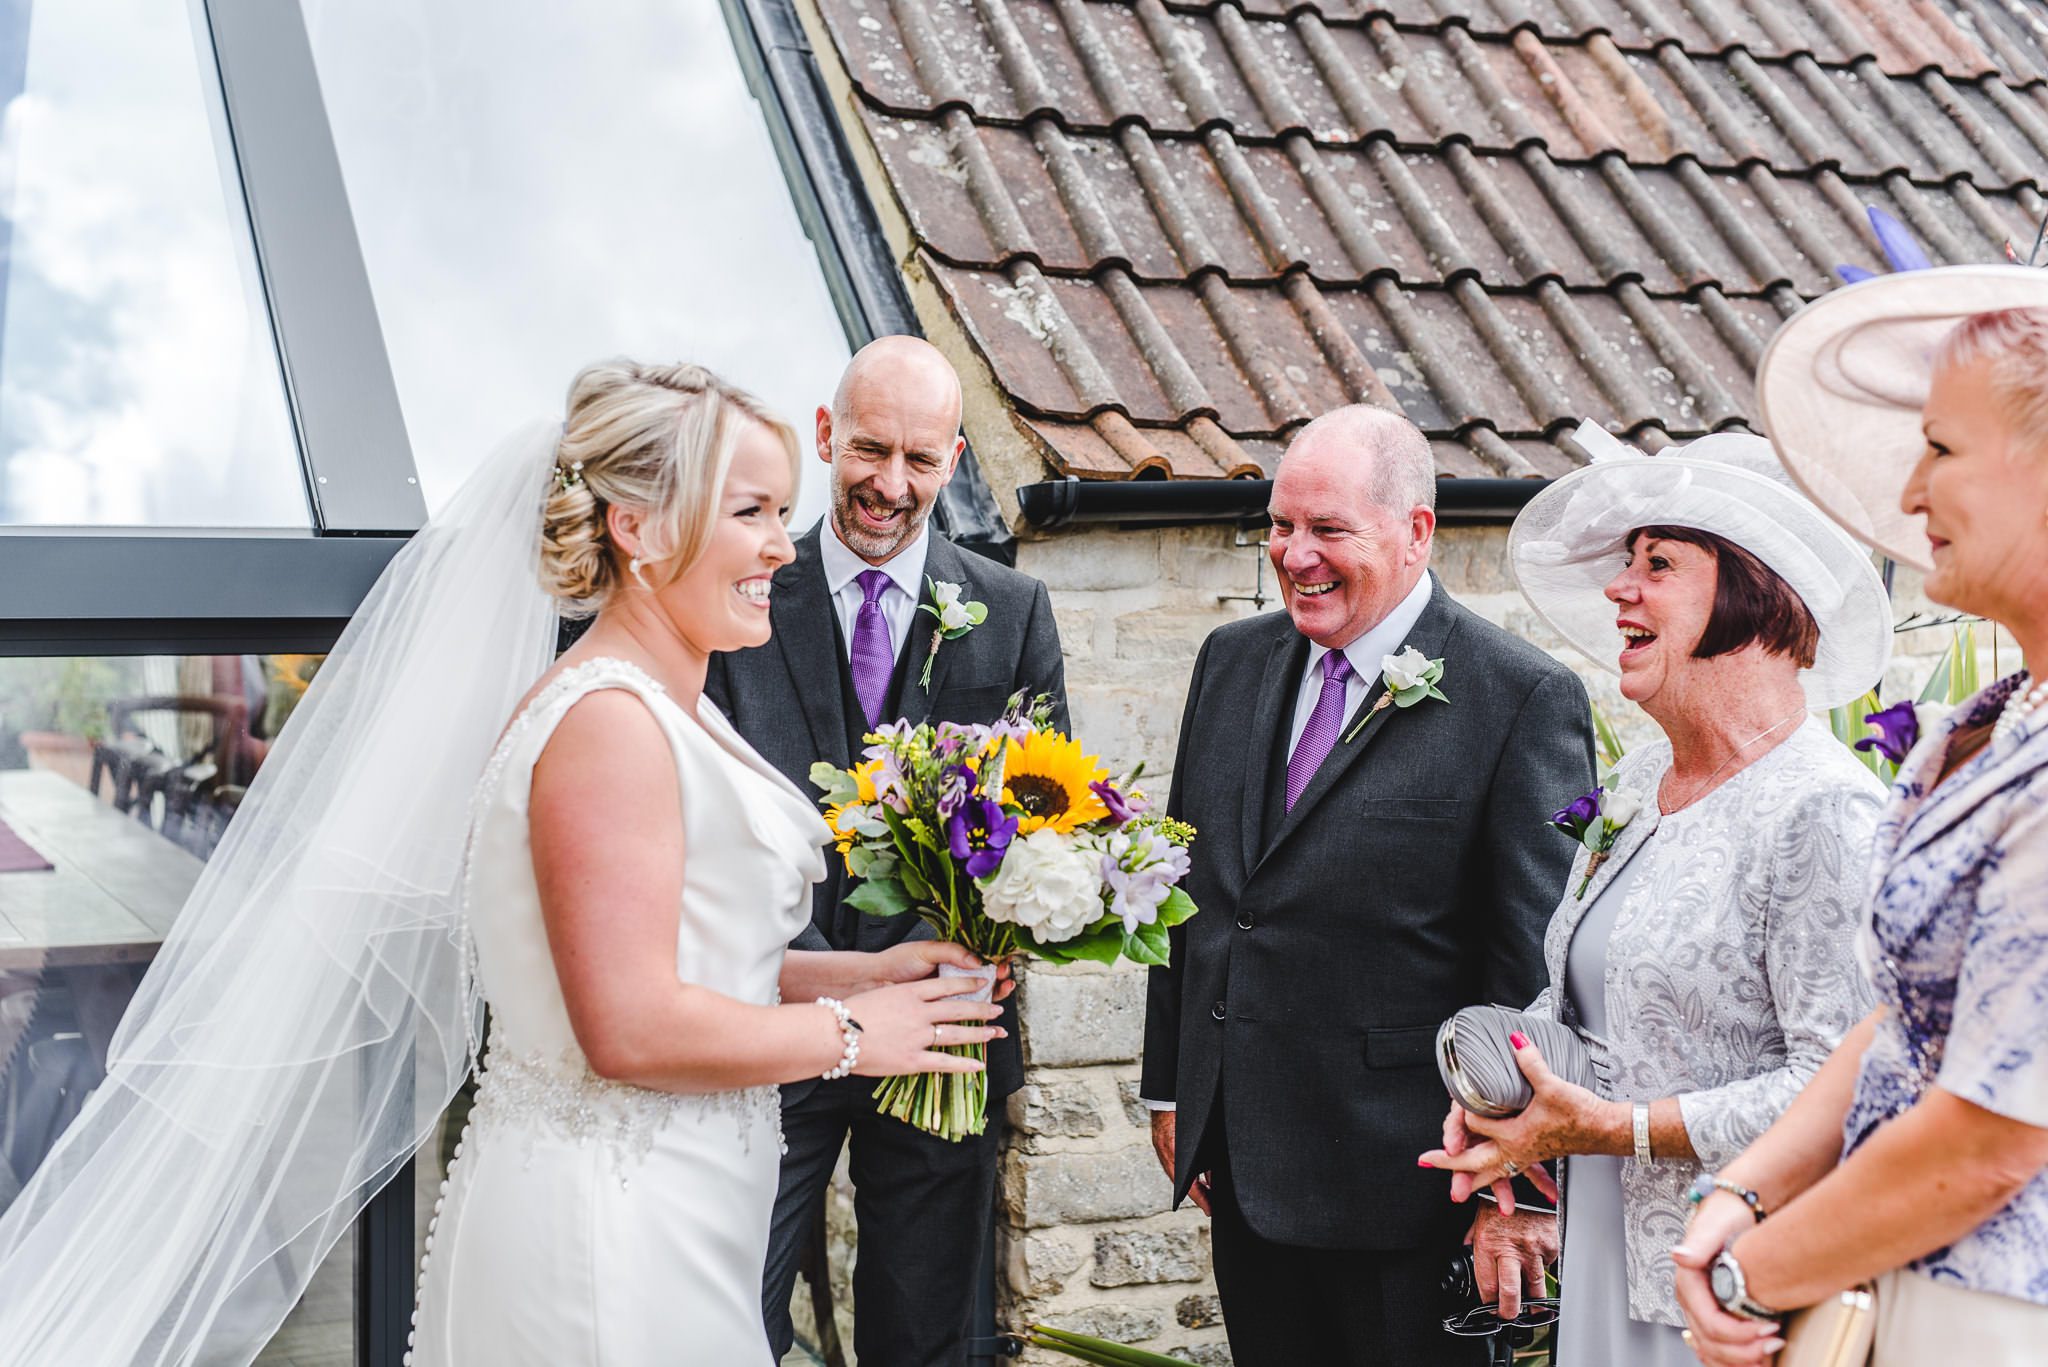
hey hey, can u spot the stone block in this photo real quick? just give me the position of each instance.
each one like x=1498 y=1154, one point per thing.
x=1198 y=1312
x=1072 y=1019
x=1164 y=639
x=1117 y=1323
x=1134 y=1257
x=1097 y=558
x=1135 y=1110
x=1066 y=1109
x=1043 y=1190
x=1472 y=560
x=1208 y=559
x=1204 y=1354
x=1040 y=1263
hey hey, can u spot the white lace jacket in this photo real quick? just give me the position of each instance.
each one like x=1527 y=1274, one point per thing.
x=1732 y=971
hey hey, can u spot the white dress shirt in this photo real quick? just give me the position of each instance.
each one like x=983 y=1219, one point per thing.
x=1365 y=655
x=899 y=601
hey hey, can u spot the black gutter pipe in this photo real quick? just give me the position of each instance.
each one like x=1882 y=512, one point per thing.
x=1071 y=502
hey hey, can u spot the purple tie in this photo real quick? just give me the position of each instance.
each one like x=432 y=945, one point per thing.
x=873 y=660
x=1324 y=722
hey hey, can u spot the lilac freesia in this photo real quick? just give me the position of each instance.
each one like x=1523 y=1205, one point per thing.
x=956 y=781
x=1897 y=731
x=1140 y=870
x=979 y=833
x=1121 y=808
x=1574 y=819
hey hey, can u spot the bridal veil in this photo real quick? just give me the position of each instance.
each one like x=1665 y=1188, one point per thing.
x=312 y=1010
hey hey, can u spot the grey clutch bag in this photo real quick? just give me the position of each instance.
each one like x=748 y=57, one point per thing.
x=1478 y=1063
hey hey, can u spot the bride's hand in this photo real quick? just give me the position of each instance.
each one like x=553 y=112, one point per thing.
x=915 y=959
x=902 y=1024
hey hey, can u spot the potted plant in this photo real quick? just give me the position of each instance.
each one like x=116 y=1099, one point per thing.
x=61 y=706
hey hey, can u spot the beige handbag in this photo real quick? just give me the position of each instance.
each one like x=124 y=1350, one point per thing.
x=1839 y=1332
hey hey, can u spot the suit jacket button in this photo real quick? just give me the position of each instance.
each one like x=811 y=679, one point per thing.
x=1217 y=1011
x=1244 y=920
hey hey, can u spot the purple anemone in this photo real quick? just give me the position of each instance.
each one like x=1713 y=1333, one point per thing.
x=979 y=834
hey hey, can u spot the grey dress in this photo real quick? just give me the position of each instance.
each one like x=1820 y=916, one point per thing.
x=1594 y=1328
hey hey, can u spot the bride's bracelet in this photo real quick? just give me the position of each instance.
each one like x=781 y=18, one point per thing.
x=849 y=1030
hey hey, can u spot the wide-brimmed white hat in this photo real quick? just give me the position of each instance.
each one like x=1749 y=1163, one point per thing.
x=1572 y=539
x=1841 y=385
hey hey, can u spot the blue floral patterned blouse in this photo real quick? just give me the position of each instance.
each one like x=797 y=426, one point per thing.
x=1958 y=949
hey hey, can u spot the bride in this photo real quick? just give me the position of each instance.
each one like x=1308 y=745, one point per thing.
x=621 y=886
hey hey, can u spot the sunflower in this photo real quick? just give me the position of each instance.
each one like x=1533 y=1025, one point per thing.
x=1046 y=776
x=864 y=779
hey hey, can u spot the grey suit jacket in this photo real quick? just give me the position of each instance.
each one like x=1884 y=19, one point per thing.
x=1295 y=1026
x=789 y=699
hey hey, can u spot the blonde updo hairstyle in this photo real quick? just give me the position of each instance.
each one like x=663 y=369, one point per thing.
x=657 y=438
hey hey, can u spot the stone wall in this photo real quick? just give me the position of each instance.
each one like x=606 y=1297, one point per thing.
x=1085 y=1240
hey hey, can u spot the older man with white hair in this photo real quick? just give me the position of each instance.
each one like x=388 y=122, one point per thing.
x=1371 y=772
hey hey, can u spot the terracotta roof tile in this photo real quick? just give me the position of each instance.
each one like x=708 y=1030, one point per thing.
x=1179 y=230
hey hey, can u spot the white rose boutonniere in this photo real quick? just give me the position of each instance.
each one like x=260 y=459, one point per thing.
x=956 y=617
x=1410 y=678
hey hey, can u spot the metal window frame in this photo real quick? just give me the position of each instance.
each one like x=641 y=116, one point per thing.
x=125 y=591
x=832 y=203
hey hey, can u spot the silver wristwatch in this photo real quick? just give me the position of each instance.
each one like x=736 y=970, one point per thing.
x=1725 y=1278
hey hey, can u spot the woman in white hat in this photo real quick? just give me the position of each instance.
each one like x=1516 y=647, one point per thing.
x=1915 y=1155
x=1704 y=953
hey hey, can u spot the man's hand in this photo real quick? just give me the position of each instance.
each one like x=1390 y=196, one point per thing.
x=1509 y=1253
x=1162 y=1144
x=914 y=959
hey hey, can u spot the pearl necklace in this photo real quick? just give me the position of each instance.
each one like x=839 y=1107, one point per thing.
x=2021 y=705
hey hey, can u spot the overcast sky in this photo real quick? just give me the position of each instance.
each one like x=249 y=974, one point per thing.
x=538 y=185
x=534 y=185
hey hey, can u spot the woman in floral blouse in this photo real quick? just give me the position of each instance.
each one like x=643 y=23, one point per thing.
x=1704 y=956
x=1915 y=1155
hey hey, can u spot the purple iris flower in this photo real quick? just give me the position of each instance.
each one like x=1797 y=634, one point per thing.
x=1121 y=808
x=979 y=833
x=1579 y=815
x=1898 y=730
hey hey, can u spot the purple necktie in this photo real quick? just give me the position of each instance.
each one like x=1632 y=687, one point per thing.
x=1324 y=722
x=873 y=660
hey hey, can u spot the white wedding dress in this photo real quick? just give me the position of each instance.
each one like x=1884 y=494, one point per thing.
x=587 y=1223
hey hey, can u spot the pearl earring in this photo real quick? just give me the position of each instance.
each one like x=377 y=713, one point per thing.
x=634 y=568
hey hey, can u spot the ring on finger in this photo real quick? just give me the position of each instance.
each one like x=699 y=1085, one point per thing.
x=935 y=1035
x=1514 y=1169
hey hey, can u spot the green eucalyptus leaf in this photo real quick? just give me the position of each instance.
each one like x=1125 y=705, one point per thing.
x=1147 y=945
x=977 y=613
x=1596 y=830
x=1102 y=945
x=1177 y=907
x=880 y=897
x=860 y=861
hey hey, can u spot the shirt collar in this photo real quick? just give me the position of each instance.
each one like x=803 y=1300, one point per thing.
x=1378 y=642
x=905 y=569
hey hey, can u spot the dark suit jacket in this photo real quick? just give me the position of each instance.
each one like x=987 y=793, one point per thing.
x=1295 y=1026
x=793 y=700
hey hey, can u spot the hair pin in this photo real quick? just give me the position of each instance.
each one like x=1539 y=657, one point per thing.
x=569 y=476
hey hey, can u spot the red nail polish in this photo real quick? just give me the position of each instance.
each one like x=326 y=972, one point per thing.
x=1424 y=1163
x=1519 y=1040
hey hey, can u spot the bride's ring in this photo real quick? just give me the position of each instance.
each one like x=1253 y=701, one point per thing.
x=1513 y=1169
x=935 y=1035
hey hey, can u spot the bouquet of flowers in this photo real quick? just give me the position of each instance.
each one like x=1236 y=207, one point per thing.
x=1006 y=839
